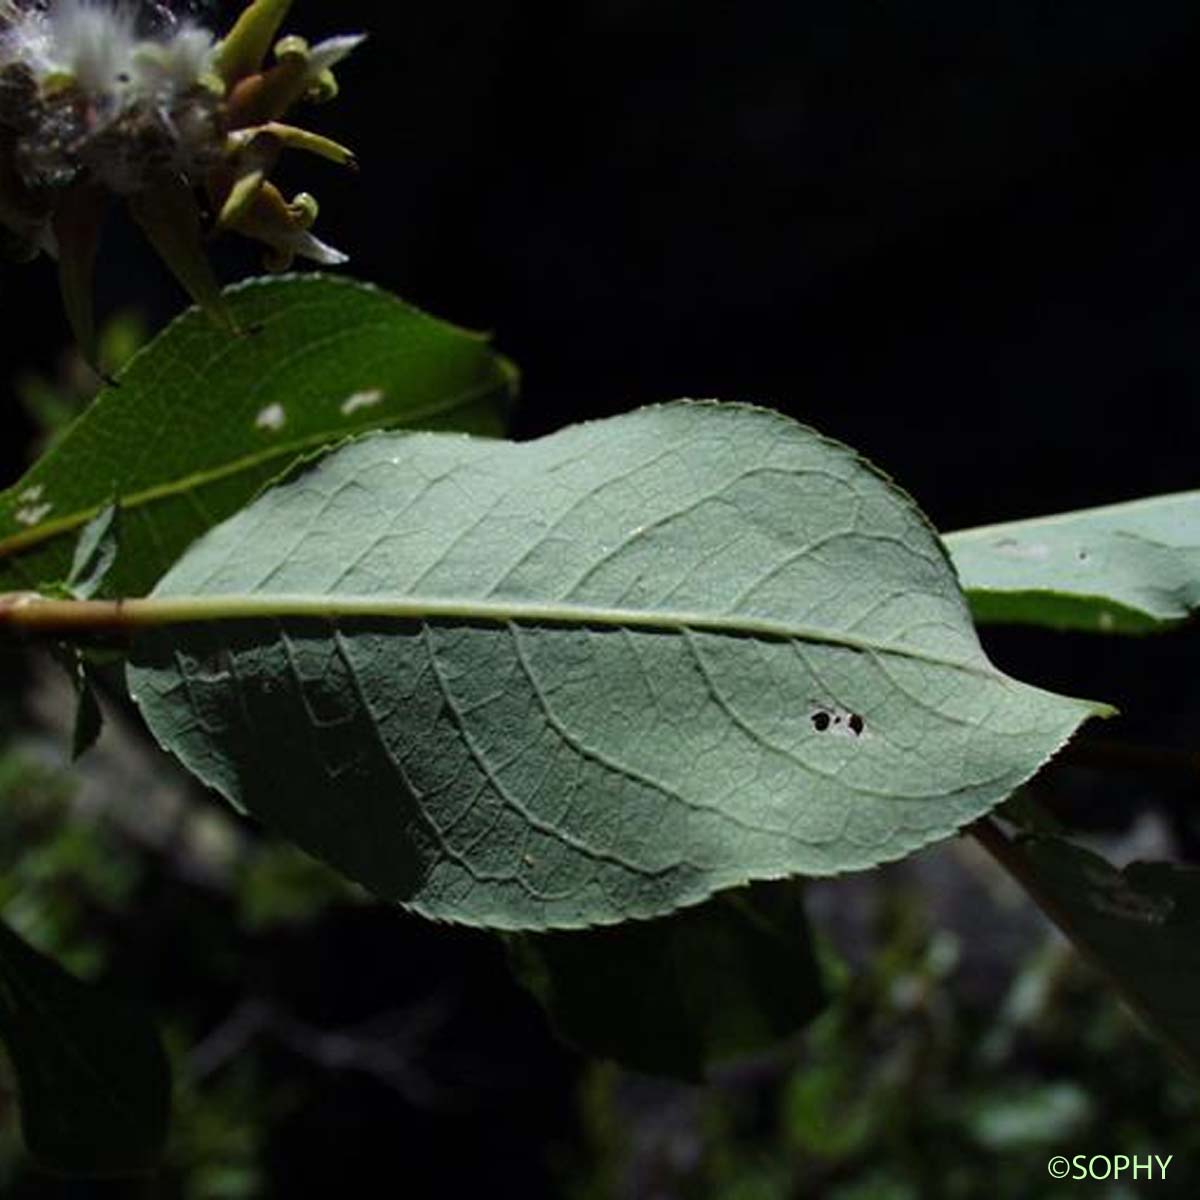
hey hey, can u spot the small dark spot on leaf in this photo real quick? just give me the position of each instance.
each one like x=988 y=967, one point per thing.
x=820 y=721
x=1082 y=556
x=856 y=724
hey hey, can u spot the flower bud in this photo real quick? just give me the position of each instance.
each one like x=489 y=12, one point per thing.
x=102 y=101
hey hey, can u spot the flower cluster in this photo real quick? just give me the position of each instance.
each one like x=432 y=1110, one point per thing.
x=100 y=99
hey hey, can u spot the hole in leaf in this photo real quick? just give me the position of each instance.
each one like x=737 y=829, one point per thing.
x=837 y=720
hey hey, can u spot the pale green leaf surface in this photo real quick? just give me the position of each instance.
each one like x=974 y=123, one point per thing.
x=94 y=554
x=596 y=676
x=1126 y=568
x=201 y=419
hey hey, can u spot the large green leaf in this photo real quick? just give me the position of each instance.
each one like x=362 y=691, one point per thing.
x=201 y=419
x=1139 y=926
x=1128 y=568
x=685 y=993
x=596 y=676
x=93 y=1079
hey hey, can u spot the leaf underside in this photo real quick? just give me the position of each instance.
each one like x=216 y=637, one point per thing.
x=606 y=674
x=1126 y=568
x=201 y=419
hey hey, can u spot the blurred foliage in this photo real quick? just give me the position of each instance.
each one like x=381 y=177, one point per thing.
x=906 y=1090
x=72 y=881
x=53 y=402
x=89 y=1068
x=679 y=995
x=56 y=874
x=907 y=1086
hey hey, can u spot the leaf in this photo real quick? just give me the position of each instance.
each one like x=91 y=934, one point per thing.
x=78 y=219
x=201 y=419
x=681 y=994
x=167 y=211
x=95 y=553
x=597 y=676
x=92 y=1076
x=1127 y=568
x=89 y=720
x=1138 y=927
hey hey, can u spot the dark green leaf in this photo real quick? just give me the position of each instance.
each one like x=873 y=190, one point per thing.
x=1128 y=568
x=1139 y=926
x=88 y=718
x=201 y=419
x=681 y=994
x=92 y=1076
x=595 y=677
x=167 y=211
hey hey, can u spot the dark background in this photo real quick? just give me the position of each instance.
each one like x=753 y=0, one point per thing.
x=962 y=237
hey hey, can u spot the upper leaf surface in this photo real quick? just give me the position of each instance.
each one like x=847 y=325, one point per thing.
x=202 y=419
x=596 y=676
x=1126 y=568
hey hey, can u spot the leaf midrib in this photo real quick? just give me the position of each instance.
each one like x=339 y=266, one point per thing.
x=189 y=609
